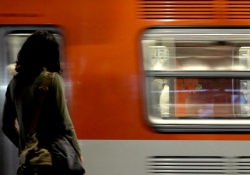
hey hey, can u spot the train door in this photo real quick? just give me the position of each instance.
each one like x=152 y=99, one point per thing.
x=11 y=40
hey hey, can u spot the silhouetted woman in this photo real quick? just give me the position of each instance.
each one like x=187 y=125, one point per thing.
x=40 y=53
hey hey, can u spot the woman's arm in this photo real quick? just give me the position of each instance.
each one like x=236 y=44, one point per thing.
x=9 y=117
x=58 y=85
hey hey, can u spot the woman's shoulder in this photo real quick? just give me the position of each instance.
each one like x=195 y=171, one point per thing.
x=56 y=76
x=57 y=79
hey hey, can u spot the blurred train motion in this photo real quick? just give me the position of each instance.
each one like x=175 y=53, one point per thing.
x=153 y=86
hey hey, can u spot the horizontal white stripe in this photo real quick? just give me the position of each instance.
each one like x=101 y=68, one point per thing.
x=154 y=120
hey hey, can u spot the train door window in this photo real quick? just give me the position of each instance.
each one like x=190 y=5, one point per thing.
x=11 y=39
x=15 y=36
x=14 y=43
x=197 y=79
x=14 y=39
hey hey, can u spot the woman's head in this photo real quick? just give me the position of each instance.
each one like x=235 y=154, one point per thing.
x=39 y=51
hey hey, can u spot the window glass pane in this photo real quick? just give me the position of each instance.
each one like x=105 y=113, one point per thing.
x=212 y=98
x=192 y=51
x=14 y=43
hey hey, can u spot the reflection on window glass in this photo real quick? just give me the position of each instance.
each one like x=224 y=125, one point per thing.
x=196 y=53
x=245 y=98
x=171 y=100
x=244 y=56
x=157 y=54
x=14 y=43
x=198 y=98
x=160 y=97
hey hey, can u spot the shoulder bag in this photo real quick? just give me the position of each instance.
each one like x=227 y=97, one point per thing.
x=61 y=156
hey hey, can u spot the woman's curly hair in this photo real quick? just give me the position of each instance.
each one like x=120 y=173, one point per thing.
x=39 y=50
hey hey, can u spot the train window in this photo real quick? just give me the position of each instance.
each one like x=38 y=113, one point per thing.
x=14 y=44
x=197 y=79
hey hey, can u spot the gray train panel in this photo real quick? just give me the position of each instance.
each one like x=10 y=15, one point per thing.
x=141 y=157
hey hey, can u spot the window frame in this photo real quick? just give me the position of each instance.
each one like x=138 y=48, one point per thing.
x=195 y=125
x=6 y=30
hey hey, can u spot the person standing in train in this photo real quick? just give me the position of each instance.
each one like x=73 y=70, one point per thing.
x=39 y=54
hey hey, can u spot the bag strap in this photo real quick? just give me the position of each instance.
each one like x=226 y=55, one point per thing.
x=39 y=100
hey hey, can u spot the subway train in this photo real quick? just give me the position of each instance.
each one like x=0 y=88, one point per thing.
x=153 y=86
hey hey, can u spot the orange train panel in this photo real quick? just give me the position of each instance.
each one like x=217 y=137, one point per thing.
x=103 y=56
